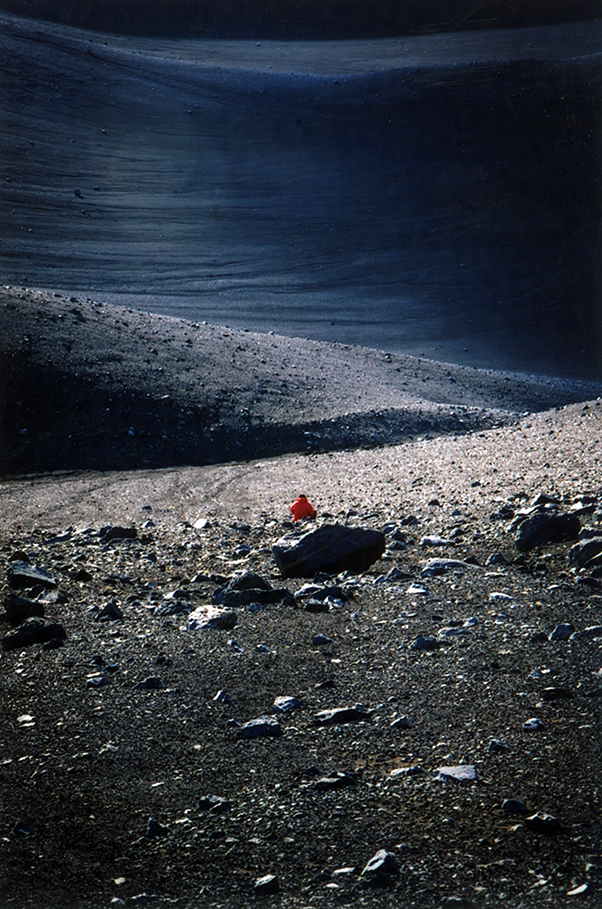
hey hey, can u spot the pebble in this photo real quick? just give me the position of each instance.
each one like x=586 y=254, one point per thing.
x=403 y=773
x=497 y=747
x=152 y=683
x=514 y=806
x=434 y=567
x=533 y=724
x=321 y=639
x=155 y=829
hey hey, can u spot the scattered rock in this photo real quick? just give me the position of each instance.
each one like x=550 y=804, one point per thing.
x=460 y=773
x=340 y=716
x=337 y=780
x=207 y=617
x=434 y=567
x=262 y=727
x=332 y=548
x=215 y=804
x=153 y=683
x=584 y=552
x=154 y=829
x=543 y=823
x=286 y=704
x=383 y=862
x=22 y=574
x=562 y=632
x=33 y=631
x=425 y=643
x=266 y=885
x=543 y=528
x=533 y=724
x=18 y=609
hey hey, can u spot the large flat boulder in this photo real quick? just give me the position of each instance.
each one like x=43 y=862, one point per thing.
x=331 y=548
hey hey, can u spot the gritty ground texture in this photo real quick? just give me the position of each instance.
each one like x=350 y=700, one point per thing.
x=88 y=759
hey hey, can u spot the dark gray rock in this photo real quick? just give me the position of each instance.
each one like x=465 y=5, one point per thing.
x=97 y=682
x=110 y=612
x=286 y=704
x=18 y=609
x=542 y=528
x=152 y=683
x=154 y=829
x=543 y=823
x=434 y=567
x=262 y=727
x=497 y=747
x=556 y=694
x=22 y=574
x=110 y=533
x=585 y=551
x=267 y=885
x=341 y=715
x=331 y=548
x=514 y=806
x=562 y=632
x=425 y=643
x=587 y=634
x=215 y=804
x=338 y=780
x=33 y=631
x=383 y=862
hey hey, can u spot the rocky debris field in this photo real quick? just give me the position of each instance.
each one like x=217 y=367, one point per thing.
x=184 y=726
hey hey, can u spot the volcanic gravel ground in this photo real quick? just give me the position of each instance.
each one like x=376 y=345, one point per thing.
x=83 y=769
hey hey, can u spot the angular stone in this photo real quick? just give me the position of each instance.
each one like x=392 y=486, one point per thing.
x=543 y=823
x=338 y=780
x=262 y=727
x=286 y=704
x=22 y=574
x=331 y=548
x=382 y=863
x=266 y=885
x=434 y=567
x=152 y=683
x=460 y=773
x=33 y=631
x=206 y=617
x=540 y=529
x=514 y=806
x=341 y=715
x=425 y=643
x=585 y=551
x=18 y=609
x=587 y=634
x=110 y=533
x=562 y=632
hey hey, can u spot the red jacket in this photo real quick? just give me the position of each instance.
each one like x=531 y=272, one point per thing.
x=302 y=508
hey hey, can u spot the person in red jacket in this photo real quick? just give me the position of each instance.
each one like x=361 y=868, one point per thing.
x=302 y=508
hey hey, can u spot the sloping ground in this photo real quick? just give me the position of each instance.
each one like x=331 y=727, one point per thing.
x=431 y=195
x=89 y=386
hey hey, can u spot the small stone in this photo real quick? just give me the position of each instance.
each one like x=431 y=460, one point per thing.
x=514 y=806
x=497 y=747
x=340 y=716
x=556 y=694
x=434 y=540
x=286 y=704
x=425 y=643
x=150 y=684
x=224 y=697
x=533 y=724
x=459 y=773
x=543 y=823
x=400 y=722
x=33 y=631
x=110 y=533
x=155 y=829
x=404 y=773
x=321 y=639
x=21 y=829
x=434 y=567
x=382 y=863
x=22 y=574
x=578 y=891
x=262 y=727
x=97 y=682
x=338 y=780
x=109 y=613
x=587 y=634
x=215 y=804
x=207 y=617
x=266 y=885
